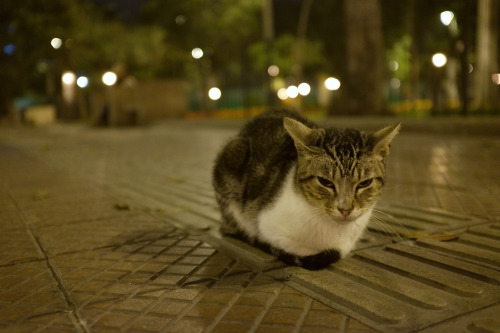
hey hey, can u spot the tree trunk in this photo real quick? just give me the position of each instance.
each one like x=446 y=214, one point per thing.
x=305 y=10
x=363 y=91
x=268 y=32
x=414 y=54
x=485 y=93
x=466 y=37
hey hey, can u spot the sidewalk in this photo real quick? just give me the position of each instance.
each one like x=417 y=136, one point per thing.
x=108 y=230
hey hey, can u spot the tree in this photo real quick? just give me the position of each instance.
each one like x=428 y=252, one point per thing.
x=363 y=89
x=485 y=96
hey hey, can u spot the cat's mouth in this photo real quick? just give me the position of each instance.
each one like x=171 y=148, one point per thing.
x=346 y=219
x=343 y=219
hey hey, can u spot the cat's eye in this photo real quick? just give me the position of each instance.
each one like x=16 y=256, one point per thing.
x=365 y=183
x=326 y=183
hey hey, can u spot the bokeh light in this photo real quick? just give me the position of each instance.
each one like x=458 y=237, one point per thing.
x=273 y=70
x=282 y=94
x=9 y=49
x=439 y=60
x=82 y=82
x=214 y=93
x=109 y=78
x=197 y=53
x=292 y=91
x=332 y=83
x=395 y=83
x=56 y=43
x=304 y=89
x=496 y=78
x=447 y=17
x=68 y=78
x=393 y=65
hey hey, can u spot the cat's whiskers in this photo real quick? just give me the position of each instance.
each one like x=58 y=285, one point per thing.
x=387 y=229
x=381 y=228
x=393 y=218
x=382 y=223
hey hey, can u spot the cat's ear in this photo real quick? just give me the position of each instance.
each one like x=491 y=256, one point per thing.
x=383 y=138
x=299 y=132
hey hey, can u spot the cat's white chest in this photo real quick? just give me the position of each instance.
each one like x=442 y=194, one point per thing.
x=292 y=224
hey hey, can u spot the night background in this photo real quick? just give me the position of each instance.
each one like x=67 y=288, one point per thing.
x=377 y=55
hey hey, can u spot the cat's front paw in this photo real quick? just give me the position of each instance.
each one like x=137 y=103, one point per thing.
x=314 y=262
x=320 y=260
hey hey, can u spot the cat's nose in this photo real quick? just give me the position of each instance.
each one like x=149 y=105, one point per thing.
x=345 y=212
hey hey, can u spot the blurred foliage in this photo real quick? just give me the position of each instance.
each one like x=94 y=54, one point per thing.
x=400 y=53
x=141 y=50
x=157 y=40
x=223 y=30
x=283 y=55
x=92 y=43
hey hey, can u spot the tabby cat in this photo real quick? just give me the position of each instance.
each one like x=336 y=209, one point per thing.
x=302 y=193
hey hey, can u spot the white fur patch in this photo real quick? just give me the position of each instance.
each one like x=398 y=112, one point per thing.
x=243 y=222
x=295 y=226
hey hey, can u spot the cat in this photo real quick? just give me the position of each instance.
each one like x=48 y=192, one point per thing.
x=302 y=193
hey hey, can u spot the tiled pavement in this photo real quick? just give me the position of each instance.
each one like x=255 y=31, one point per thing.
x=114 y=230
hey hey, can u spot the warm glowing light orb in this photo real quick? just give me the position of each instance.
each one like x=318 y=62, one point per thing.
x=197 y=53
x=273 y=70
x=109 y=78
x=292 y=91
x=82 y=82
x=214 y=93
x=282 y=94
x=332 y=83
x=447 y=17
x=68 y=78
x=56 y=43
x=304 y=89
x=496 y=78
x=439 y=60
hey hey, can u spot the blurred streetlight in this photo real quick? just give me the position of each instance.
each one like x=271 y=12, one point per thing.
x=56 y=43
x=282 y=94
x=395 y=83
x=332 y=83
x=214 y=93
x=439 y=60
x=292 y=91
x=304 y=89
x=273 y=70
x=447 y=17
x=109 y=78
x=68 y=78
x=82 y=82
x=197 y=53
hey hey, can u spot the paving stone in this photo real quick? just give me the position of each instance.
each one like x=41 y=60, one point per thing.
x=282 y=315
x=170 y=307
x=324 y=318
x=230 y=326
x=243 y=313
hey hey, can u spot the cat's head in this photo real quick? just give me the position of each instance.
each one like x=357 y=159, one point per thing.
x=340 y=170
